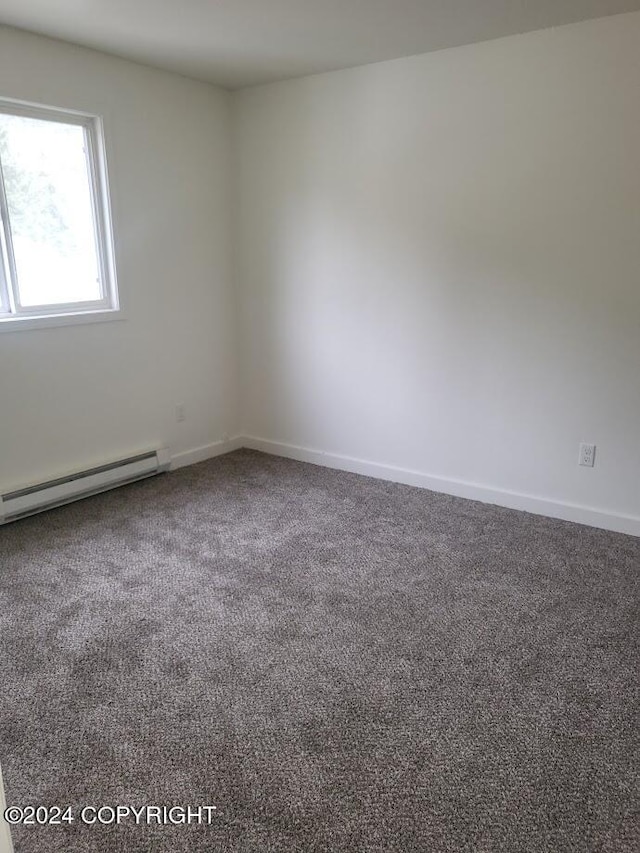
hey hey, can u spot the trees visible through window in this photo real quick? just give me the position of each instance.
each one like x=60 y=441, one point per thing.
x=55 y=242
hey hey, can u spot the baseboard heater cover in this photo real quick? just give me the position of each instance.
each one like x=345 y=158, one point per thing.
x=33 y=499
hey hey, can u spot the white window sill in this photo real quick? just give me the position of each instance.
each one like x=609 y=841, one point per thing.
x=24 y=322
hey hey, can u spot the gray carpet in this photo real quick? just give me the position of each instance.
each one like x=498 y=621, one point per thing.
x=337 y=663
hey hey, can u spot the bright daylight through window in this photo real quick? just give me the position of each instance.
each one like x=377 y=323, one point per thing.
x=55 y=241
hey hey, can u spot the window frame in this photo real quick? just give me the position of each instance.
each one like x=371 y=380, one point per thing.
x=12 y=314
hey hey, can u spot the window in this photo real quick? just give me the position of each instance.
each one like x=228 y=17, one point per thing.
x=56 y=258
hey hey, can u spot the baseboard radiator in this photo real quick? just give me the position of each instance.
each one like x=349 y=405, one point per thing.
x=32 y=499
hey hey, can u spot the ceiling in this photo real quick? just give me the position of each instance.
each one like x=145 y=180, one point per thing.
x=237 y=43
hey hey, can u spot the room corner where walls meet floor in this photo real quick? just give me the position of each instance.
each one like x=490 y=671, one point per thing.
x=472 y=491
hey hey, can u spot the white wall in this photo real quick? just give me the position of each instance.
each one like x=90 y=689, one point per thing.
x=78 y=395
x=440 y=262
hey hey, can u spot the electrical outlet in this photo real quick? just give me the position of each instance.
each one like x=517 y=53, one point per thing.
x=587 y=455
x=181 y=412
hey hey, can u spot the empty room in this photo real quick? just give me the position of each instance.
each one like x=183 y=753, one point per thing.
x=320 y=426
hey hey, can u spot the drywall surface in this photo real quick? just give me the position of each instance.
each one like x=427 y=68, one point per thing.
x=74 y=396
x=440 y=264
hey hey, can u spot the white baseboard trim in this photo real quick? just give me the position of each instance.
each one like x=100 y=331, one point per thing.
x=473 y=491
x=208 y=451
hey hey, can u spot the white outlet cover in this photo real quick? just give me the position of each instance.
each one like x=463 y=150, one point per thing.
x=587 y=456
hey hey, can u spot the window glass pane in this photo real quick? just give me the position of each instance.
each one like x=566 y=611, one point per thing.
x=48 y=193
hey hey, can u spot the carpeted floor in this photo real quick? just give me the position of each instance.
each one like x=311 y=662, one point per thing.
x=337 y=663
